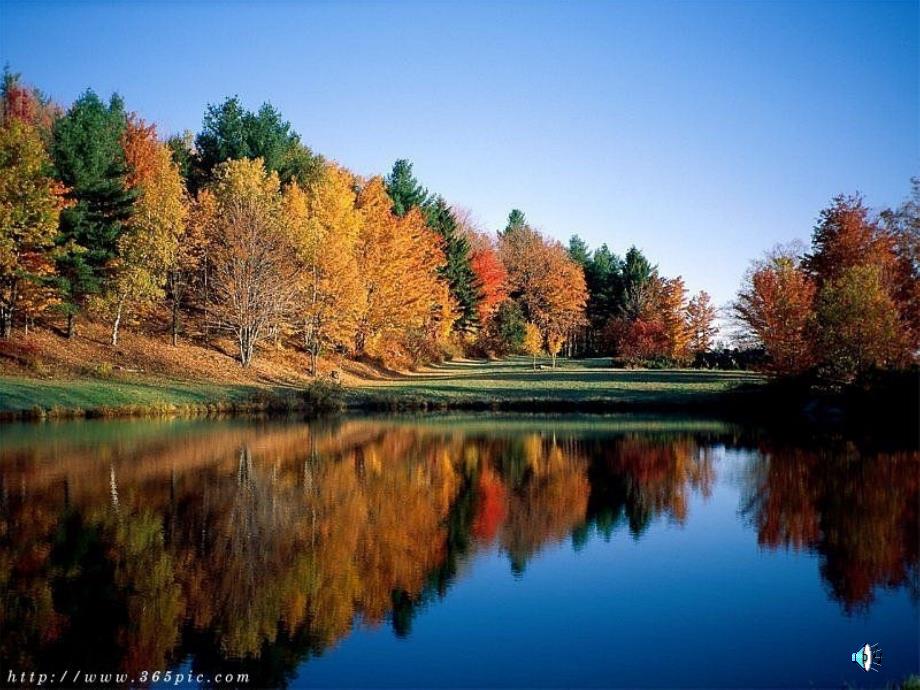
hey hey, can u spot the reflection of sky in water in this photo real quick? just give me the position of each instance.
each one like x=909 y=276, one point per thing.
x=558 y=551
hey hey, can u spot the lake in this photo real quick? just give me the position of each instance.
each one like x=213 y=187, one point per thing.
x=458 y=550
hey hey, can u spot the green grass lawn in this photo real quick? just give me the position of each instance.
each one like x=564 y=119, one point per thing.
x=17 y=394
x=510 y=383
x=513 y=380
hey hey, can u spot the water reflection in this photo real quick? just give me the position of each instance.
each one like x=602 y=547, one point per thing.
x=253 y=546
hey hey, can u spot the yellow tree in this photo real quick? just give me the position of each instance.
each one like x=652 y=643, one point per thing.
x=30 y=203
x=701 y=317
x=324 y=225
x=398 y=260
x=548 y=284
x=558 y=298
x=533 y=342
x=253 y=264
x=673 y=314
x=150 y=243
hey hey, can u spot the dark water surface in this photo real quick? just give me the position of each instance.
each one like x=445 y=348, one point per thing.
x=457 y=550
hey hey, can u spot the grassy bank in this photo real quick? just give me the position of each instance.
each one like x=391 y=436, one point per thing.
x=513 y=384
x=510 y=384
x=24 y=398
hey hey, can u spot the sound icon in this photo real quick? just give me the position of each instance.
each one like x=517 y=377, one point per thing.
x=869 y=657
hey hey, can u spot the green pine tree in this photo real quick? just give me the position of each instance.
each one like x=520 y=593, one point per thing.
x=90 y=161
x=230 y=132
x=404 y=189
x=457 y=270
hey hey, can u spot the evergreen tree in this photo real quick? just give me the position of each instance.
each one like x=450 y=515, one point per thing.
x=404 y=189
x=579 y=252
x=457 y=270
x=637 y=275
x=516 y=221
x=90 y=161
x=230 y=132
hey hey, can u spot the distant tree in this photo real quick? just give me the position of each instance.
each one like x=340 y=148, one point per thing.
x=903 y=225
x=672 y=310
x=701 y=315
x=636 y=283
x=506 y=330
x=90 y=161
x=533 y=342
x=603 y=277
x=516 y=221
x=26 y=104
x=579 y=252
x=404 y=190
x=182 y=148
x=30 y=204
x=775 y=305
x=254 y=270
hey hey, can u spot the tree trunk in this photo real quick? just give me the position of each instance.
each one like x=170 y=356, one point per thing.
x=553 y=355
x=246 y=346
x=71 y=325
x=6 y=314
x=118 y=311
x=312 y=362
x=534 y=363
x=175 y=322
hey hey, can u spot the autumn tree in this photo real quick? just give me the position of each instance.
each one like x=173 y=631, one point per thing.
x=673 y=313
x=701 y=315
x=90 y=161
x=26 y=104
x=775 y=305
x=858 y=324
x=846 y=236
x=533 y=342
x=858 y=263
x=903 y=225
x=324 y=225
x=30 y=203
x=407 y=193
x=489 y=274
x=149 y=246
x=543 y=278
x=398 y=259
x=254 y=270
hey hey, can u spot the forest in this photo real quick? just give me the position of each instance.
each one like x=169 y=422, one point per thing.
x=242 y=231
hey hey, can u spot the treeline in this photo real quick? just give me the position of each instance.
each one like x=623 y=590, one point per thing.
x=638 y=315
x=846 y=306
x=243 y=230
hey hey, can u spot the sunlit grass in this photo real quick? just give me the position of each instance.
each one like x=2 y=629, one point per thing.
x=591 y=380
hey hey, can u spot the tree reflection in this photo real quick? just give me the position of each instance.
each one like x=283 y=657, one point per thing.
x=858 y=511
x=253 y=547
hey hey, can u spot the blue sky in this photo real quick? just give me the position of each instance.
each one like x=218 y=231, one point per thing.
x=704 y=133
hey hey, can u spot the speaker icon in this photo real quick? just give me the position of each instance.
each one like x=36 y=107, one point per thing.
x=869 y=657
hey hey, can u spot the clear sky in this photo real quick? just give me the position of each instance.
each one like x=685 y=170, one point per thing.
x=704 y=133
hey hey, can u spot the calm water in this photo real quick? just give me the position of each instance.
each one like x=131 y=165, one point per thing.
x=457 y=551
